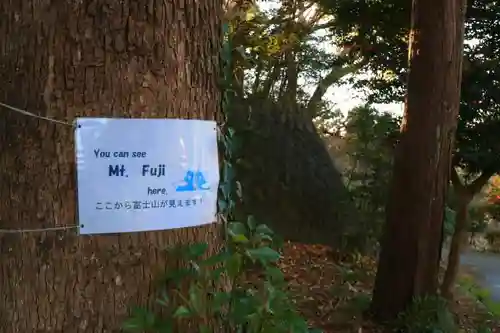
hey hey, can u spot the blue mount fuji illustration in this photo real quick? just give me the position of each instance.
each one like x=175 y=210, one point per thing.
x=193 y=181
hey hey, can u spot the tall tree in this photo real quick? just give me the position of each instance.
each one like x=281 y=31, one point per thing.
x=384 y=24
x=409 y=258
x=477 y=154
x=464 y=191
x=64 y=59
x=288 y=175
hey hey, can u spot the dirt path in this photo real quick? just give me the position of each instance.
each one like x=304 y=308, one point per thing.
x=486 y=266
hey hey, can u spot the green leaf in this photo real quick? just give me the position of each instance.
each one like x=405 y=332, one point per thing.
x=163 y=299
x=263 y=229
x=195 y=299
x=225 y=188
x=255 y=322
x=197 y=250
x=132 y=325
x=216 y=259
x=232 y=205
x=237 y=228
x=251 y=223
x=263 y=237
x=275 y=274
x=217 y=273
x=244 y=304
x=182 y=312
x=178 y=275
x=264 y=254
x=220 y=299
x=141 y=319
x=240 y=238
x=222 y=204
x=228 y=170
x=233 y=265
x=298 y=324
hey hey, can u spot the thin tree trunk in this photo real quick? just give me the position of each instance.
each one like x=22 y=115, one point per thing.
x=64 y=59
x=464 y=195
x=258 y=74
x=291 y=71
x=272 y=78
x=290 y=95
x=457 y=241
x=409 y=257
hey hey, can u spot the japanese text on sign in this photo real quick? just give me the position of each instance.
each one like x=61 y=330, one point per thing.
x=132 y=183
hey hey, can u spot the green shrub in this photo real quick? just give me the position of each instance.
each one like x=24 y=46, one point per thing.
x=255 y=300
x=428 y=314
x=482 y=295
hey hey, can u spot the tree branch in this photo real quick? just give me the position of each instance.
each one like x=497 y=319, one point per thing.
x=271 y=79
x=334 y=76
x=292 y=77
x=479 y=182
x=323 y=26
x=256 y=82
x=455 y=178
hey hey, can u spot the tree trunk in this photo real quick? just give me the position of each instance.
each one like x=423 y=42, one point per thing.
x=409 y=258
x=464 y=194
x=99 y=58
x=457 y=241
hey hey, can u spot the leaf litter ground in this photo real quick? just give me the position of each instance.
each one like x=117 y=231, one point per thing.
x=333 y=292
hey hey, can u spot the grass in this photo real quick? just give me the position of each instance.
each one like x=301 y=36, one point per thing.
x=468 y=284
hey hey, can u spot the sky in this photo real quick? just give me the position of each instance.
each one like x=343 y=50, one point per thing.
x=344 y=96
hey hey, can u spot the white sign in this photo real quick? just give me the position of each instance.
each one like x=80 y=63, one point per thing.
x=145 y=174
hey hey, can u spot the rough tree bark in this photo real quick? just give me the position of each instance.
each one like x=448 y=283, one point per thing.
x=464 y=194
x=409 y=258
x=64 y=59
